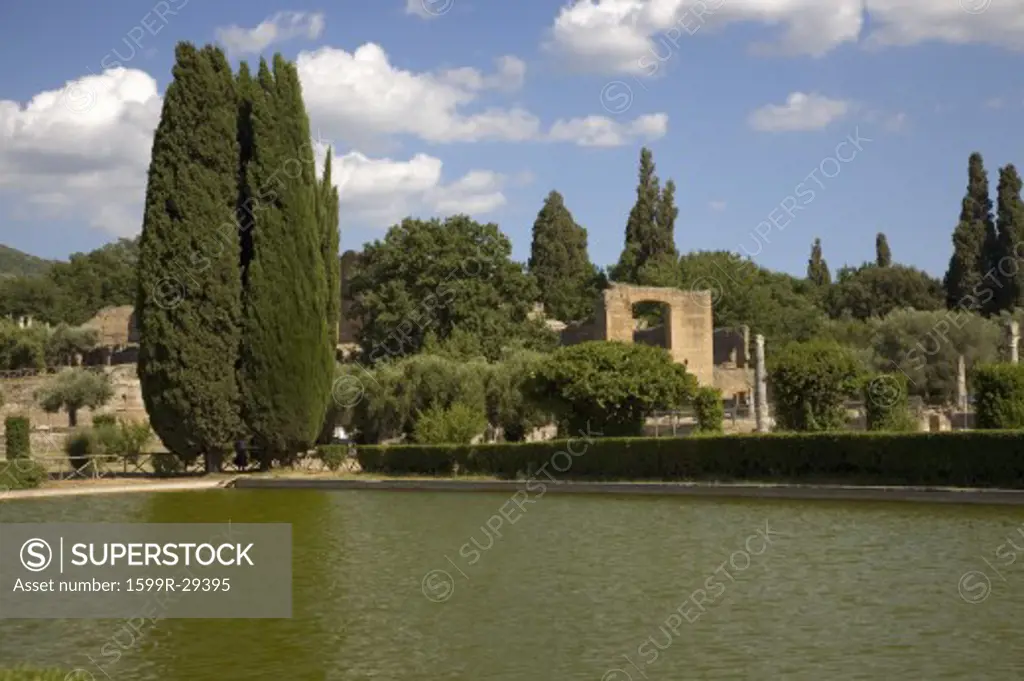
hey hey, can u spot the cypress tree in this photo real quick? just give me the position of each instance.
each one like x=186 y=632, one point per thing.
x=286 y=358
x=883 y=256
x=663 y=243
x=641 y=227
x=817 y=268
x=327 y=201
x=968 y=264
x=188 y=267
x=1010 y=216
x=560 y=263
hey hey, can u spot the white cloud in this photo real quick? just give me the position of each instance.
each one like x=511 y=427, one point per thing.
x=428 y=9
x=362 y=98
x=83 y=152
x=600 y=131
x=278 y=28
x=634 y=36
x=800 y=112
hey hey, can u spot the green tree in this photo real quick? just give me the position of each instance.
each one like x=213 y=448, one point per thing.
x=567 y=280
x=872 y=291
x=810 y=383
x=429 y=276
x=817 y=268
x=709 y=410
x=458 y=424
x=66 y=344
x=189 y=336
x=286 y=355
x=1010 y=222
x=967 y=265
x=75 y=389
x=327 y=202
x=883 y=256
x=886 y=403
x=1000 y=396
x=610 y=387
x=642 y=225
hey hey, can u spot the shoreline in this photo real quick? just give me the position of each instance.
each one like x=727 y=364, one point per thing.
x=712 y=490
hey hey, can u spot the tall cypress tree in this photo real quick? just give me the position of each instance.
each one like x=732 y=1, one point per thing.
x=1010 y=216
x=188 y=267
x=560 y=263
x=641 y=227
x=817 y=268
x=286 y=358
x=967 y=265
x=883 y=256
x=327 y=203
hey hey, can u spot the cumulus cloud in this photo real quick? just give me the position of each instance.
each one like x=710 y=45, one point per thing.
x=82 y=152
x=600 y=131
x=278 y=28
x=362 y=98
x=800 y=112
x=634 y=36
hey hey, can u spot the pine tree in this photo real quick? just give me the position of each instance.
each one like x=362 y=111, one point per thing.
x=817 y=268
x=188 y=267
x=642 y=226
x=560 y=263
x=286 y=357
x=1010 y=216
x=968 y=264
x=883 y=256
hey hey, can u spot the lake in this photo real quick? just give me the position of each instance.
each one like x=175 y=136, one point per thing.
x=427 y=586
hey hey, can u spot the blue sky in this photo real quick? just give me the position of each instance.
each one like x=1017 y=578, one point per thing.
x=487 y=106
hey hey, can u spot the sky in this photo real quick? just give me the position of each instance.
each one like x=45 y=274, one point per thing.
x=780 y=121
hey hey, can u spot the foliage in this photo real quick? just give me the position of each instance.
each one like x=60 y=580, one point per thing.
x=456 y=424
x=883 y=256
x=999 y=394
x=1010 y=227
x=650 y=228
x=610 y=387
x=707 y=403
x=16 y=263
x=567 y=280
x=434 y=276
x=777 y=305
x=872 y=291
x=286 y=353
x=166 y=464
x=74 y=389
x=188 y=276
x=810 y=383
x=971 y=239
x=102 y=420
x=80 y=446
x=21 y=473
x=508 y=405
x=66 y=344
x=332 y=456
x=886 y=404
x=17 y=435
x=960 y=459
x=817 y=268
x=22 y=348
x=119 y=439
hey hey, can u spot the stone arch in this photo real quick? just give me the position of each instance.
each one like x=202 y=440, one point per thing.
x=689 y=327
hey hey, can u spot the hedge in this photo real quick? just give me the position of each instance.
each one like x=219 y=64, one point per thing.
x=21 y=474
x=19 y=444
x=963 y=458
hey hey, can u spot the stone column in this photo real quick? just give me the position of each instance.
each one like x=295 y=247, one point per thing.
x=1013 y=340
x=961 y=384
x=761 y=387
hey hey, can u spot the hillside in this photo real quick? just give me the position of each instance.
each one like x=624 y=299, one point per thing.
x=16 y=263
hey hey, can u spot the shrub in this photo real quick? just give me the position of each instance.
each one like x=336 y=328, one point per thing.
x=707 y=403
x=959 y=459
x=999 y=391
x=611 y=386
x=100 y=420
x=80 y=446
x=810 y=383
x=166 y=464
x=75 y=389
x=885 y=404
x=458 y=424
x=21 y=473
x=19 y=444
x=332 y=456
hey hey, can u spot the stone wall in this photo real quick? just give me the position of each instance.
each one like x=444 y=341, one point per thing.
x=732 y=347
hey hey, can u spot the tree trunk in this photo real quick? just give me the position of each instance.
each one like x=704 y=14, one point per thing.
x=72 y=418
x=214 y=462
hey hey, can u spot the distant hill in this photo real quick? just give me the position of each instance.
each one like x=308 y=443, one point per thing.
x=15 y=263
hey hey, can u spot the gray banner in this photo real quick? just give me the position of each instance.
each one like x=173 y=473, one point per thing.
x=157 y=570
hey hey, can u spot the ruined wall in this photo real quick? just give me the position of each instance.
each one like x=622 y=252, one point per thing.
x=732 y=347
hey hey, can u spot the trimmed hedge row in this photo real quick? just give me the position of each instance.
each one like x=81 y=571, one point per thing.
x=18 y=440
x=971 y=458
x=24 y=473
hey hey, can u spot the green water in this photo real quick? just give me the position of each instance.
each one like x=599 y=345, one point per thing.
x=391 y=586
